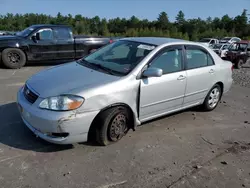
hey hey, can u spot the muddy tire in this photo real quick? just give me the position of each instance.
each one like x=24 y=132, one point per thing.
x=212 y=99
x=239 y=64
x=13 y=58
x=112 y=125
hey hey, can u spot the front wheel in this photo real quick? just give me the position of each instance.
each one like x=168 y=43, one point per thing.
x=212 y=99
x=13 y=58
x=112 y=125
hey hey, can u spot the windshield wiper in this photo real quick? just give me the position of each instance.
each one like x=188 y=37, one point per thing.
x=99 y=66
x=112 y=72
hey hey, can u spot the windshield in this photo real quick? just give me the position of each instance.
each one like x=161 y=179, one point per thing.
x=238 y=47
x=120 y=57
x=225 y=47
x=217 y=46
x=205 y=40
x=25 y=32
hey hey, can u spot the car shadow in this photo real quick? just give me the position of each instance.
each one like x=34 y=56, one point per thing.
x=15 y=134
x=47 y=63
x=196 y=109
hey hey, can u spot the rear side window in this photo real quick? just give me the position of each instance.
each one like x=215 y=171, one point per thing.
x=62 y=33
x=197 y=58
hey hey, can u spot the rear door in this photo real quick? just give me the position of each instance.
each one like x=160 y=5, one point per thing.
x=201 y=73
x=64 y=43
x=160 y=95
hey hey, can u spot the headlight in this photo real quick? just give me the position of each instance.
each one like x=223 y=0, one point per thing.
x=62 y=103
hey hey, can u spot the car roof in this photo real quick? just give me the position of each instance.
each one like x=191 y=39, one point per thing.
x=154 y=40
x=243 y=42
x=49 y=25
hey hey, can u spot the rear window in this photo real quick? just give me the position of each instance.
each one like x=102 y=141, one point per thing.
x=62 y=33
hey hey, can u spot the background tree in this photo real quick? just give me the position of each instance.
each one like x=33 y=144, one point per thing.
x=192 y=29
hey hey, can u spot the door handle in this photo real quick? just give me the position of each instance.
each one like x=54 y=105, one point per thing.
x=211 y=71
x=181 y=77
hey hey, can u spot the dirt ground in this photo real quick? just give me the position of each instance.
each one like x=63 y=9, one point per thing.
x=191 y=149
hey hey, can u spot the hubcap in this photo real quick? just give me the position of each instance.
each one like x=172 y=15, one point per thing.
x=118 y=127
x=214 y=98
x=13 y=57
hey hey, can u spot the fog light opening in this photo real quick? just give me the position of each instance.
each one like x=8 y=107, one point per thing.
x=60 y=135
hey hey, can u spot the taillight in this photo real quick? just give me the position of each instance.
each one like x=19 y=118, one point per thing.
x=232 y=68
x=110 y=41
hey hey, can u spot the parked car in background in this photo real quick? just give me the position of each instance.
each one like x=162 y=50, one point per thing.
x=209 y=41
x=220 y=49
x=46 y=43
x=120 y=86
x=238 y=53
x=230 y=40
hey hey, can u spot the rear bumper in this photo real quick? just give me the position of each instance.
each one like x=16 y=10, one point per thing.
x=46 y=124
x=228 y=85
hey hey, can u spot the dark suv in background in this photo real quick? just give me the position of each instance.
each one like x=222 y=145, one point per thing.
x=238 y=53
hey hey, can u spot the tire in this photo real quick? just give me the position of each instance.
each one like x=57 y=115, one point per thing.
x=211 y=103
x=108 y=123
x=239 y=64
x=13 y=58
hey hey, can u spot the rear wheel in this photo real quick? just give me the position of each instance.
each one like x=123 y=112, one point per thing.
x=239 y=64
x=13 y=58
x=112 y=125
x=212 y=99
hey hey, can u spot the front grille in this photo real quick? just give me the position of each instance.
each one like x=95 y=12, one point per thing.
x=29 y=95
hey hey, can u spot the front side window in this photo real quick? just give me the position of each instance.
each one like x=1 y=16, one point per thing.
x=120 y=57
x=169 y=61
x=197 y=58
x=45 y=34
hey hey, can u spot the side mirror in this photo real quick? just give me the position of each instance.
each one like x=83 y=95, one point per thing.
x=152 y=72
x=34 y=38
x=37 y=36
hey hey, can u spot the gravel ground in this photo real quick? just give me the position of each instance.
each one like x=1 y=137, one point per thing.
x=242 y=76
x=190 y=149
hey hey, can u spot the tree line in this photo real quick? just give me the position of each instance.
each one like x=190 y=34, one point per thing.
x=189 y=29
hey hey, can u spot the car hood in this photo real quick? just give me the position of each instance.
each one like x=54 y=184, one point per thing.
x=9 y=37
x=63 y=79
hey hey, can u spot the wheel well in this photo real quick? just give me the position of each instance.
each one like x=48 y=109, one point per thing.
x=221 y=86
x=18 y=49
x=91 y=133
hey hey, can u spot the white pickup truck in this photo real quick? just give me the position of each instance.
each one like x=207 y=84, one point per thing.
x=209 y=41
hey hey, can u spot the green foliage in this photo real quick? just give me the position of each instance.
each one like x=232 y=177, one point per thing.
x=188 y=29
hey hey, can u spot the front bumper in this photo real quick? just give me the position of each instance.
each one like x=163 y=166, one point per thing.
x=45 y=123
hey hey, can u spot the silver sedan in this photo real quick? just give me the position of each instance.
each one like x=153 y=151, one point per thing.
x=120 y=86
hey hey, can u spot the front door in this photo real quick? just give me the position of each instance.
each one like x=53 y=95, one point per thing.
x=44 y=46
x=201 y=74
x=160 y=95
